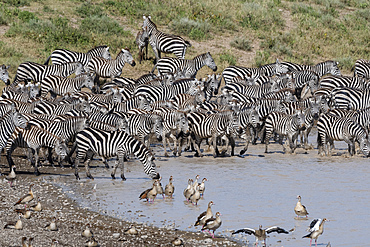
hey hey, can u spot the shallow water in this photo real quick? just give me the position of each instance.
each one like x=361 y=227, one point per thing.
x=255 y=189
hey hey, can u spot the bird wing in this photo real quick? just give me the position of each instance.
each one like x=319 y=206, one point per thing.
x=209 y=221
x=315 y=224
x=200 y=218
x=20 y=200
x=143 y=195
x=276 y=229
x=305 y=208
x=249 y=231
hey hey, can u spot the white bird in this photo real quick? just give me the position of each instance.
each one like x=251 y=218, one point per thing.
x=18 y=225
x=52 y=226
x=170 y=188
x=212 y=224
x=189 y=189
x=300 y=209
x=316 y=229
x=205 y=215
x=202 y=187
x=87 y=233
x=12 y=176
x=260 y=233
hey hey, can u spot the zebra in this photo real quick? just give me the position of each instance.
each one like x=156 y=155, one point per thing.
x=323 y=68
x=108 y=144
x=11 y=120
x=109 y=68
x=249 y=121
x=333 y=82
x=333 y=128
x=362 y=68
x=162 y=42
x=186 y=102
x=254 y=91
x=23 y=107
x=142 y=41
x=128 y=83
x=58 y=85
x=46 y=107
x=286 y=95
x=211 y=85
x=311 y=115
x=22 y=93
x=305 y=78
x=266 y=70
x=61 y=56
x=189 y=67
x=135 y=102
x=34 y=138
x=113 y=96
x=37 y=72
x=118 y=121
x=142 y=125
x=4 y=74
x=156 y=93
x=211 y=125
x=284 y=125
x=350 y=98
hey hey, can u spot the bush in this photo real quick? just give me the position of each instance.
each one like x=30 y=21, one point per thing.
x=17 y=3
x=26 y=16
x=194 y=29
x=257 y=16
x=228 y=58
x=103 y=25
x=88 y=9
x=241 y=43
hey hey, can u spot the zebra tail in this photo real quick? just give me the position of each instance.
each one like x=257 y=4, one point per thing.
x=187 y=43
x=353 y=68
x=155 y=66
x=47 y=60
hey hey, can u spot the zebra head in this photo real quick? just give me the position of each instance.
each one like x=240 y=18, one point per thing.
x=83 y=105
x=4 y=74
x=280 y=68
x=34 y=90
x=117 y=96
x=148 y=24
x=208 y=60
x=157 y=122
x=213 y=82
x=364 y=146
x=126 y=57
x=299 y=119
x=18 y=119
x=61 y=148
x=150 y=167
x=79 y=69
x=314 y=108
x=106 y=54
x=88 y=80
x=144 y=102
x=182 y=123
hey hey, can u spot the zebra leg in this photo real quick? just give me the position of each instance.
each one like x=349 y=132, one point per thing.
x=121 y=161
x=164 y=139
x=89 y=155
x=37 y=159
x=68 y=157
x=113 y=174
x=232 y=144
x=214 y=146
x=77 y=162
x=174 y=144
x=197 y=143
x=50 y=156
x=9 y=156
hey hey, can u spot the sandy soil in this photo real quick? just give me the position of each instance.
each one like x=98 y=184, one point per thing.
x=72 y=219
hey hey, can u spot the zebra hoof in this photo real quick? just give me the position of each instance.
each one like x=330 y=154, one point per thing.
x=89 y=176
x=113 y=177
x=123 y=178
x=77 y=176
x=37 y=173
x=242 y=152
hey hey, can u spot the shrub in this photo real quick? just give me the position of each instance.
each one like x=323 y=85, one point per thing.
x=88 y=9
x=103 y=25
x=17 y=3
x=26 y=16
x=241 y=43
x=194 y=29
x=228 y=58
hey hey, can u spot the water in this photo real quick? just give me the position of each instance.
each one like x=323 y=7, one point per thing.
x=248 y=191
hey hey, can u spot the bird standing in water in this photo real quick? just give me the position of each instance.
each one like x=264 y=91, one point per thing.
x=260 y=233
x=170 y=188
x=205 y=215
x=316 y=229
x=212 y=224
x=300 y=209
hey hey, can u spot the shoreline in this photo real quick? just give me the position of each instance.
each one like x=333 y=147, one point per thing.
x=72 y=219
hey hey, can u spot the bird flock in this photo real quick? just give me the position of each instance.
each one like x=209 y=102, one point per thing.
x=281 y=100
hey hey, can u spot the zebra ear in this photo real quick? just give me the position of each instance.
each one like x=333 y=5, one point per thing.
x=144 y=17
x=149 y=17
x=37 y=84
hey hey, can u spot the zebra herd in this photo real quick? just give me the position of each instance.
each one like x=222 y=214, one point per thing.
x=46 y=107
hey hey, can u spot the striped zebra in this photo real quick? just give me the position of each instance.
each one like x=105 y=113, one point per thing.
x=307 y=79
x=186 y=102
x=108 y=144
x=162 y=42
x=362 y=68
x=142 y=125
x=135 y=102
x=111 y=97
x=254 y=91
x=128 y=83
x=23 y=107
x=210 y=125
x=333 y=82
x=11 y=120
x=37 y=72
x=350 y=98
x=156 y=93
x=34 y=138
x=58 y=85
x=45 y=107
x=333 y=128
x=249 y=123
x=284 y=125
x=61 y=56
x=211 y=85
x=142 y=41
x=109 y=68
x=311 y=115
x=118 y=121
x=243 y=72
x=188 y=67
x=22 y=93
x=323 y=68
x=4 y=74
x=286 y=95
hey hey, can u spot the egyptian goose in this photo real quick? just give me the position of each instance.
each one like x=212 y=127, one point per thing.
x=25 y=212
x=169 y=189
x=205 y=215
x=159 y=187
x=195 y=184
x=27 y=198
x=54 y=243
x=91 y=242
x=260 y=233
x=189 y=189
x=149 y=194
x=213 y=224
x=37 y=207
x=24 y=242
x=316 y=229
x=202 y=187
x=194 y=198
x=11 y=176
x=87 y=233
x=131 y=230
x=18 y=225
x=177 y=242
x=300 y=209
x=52 y=226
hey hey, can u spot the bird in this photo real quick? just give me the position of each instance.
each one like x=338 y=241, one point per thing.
x=87 y=232
x=18 y=225
x=300 y=209
x=149 y=194
x=36 y=207
x=202 y=187
x=213 y=224
x=169 y=189
x=26 y=198
x=177 y=242
x=52 y=226
x=25 y=212
x=194 y=198
x=195 y=184
x=30 y=242
x=205 y=215
x=131 y=230
x=11 y=176
x=159 y=187
x=91 y=242
x=260 y=233
x=316 y=229
x=24 y=242
x=54 y=243
x=189 y=189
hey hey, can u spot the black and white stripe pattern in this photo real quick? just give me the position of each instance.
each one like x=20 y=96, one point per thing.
x=321 y=69
x=142 y=41
x=37 y=72
x=11 y=120
x=46 y=107
x=362 y=68
x=142 y=125
x=162 y=42
x=333 y=128
x=108 y=144
x=332 y=82
x=135 y=102
x=4 y=74
x=188 y=67
x=350 y=98
x=61 y=56
x=21 y=92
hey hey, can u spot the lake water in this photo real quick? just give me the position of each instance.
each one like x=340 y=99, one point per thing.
x=255 y=189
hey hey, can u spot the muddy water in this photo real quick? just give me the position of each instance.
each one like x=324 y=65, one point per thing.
x=255 y=189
